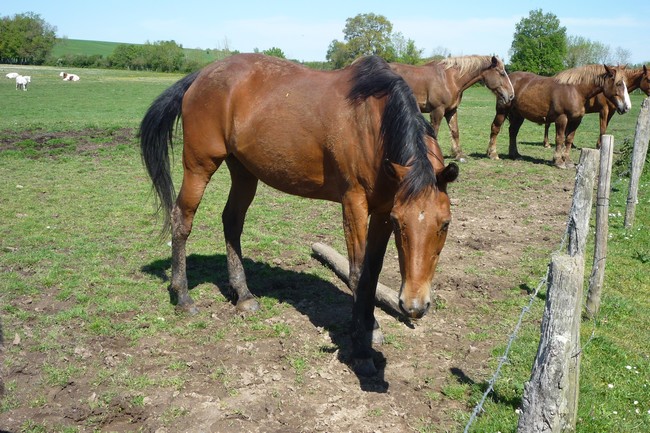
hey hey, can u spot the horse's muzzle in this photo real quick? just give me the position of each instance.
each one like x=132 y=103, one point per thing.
x=414 y=309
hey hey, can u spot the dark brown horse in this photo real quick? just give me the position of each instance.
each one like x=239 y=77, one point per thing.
x=353 y=136
x=439 y=85
x=634 y=79
x=559 y=99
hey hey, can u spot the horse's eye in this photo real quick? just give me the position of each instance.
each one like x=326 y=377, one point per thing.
x=445 y=226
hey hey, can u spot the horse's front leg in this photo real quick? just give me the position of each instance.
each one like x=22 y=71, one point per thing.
x=560 y=139
x=499 y=118
x=605 y=115
x=366 y=248
x=452 y=121
x=568 y=144
x=547 y=144
x=516 y=120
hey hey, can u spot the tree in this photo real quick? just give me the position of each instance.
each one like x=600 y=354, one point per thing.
x=405 y=50
x=539 y=44
x=365 y=34
x=25 y=39
x=621 y=56
x=582 y=51
x=275 y=52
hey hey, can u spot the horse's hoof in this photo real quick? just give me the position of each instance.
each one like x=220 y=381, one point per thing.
x=249 y=305
x=364 y=367
x=515 y=156
x=377 y=337
x=493 y=156
x=189 y=309
x=460 y=158
x=560 y=165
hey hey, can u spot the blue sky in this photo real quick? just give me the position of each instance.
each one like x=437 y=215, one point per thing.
x=304 y=29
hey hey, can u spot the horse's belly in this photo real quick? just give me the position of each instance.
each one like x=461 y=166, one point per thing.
x=298 y=173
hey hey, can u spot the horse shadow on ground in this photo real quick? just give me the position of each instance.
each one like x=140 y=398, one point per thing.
x=308 y=294
x=524 y=158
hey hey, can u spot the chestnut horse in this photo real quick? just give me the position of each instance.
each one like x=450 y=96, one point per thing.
x=353 y=136
x=634 y=79
x=560 y=99
x=439 y=85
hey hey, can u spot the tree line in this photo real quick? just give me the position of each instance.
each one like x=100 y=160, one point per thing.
x=540 y=45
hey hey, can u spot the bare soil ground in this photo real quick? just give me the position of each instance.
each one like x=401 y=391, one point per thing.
x=299 y=381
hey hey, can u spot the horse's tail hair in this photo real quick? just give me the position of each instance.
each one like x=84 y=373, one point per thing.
x=156 y=133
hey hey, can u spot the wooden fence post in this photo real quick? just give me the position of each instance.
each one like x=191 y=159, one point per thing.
x=583 y=193
x=602 y=229
x=641 y=138
x=550 y=399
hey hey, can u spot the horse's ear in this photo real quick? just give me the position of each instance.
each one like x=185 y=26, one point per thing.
x=495 y=61
x=609 y=71
x=645 y=70
x=448 y=174
x=395 y=171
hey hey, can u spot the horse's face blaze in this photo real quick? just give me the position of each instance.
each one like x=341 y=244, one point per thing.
x=615 y=89
x=420 y=226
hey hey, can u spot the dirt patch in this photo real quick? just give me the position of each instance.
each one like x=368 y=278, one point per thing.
x=298 y=380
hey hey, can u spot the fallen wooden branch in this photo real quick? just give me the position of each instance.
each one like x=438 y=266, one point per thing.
x=385 y=297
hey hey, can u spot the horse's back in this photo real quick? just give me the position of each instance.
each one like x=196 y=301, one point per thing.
x=428 y=82
x=287 y=124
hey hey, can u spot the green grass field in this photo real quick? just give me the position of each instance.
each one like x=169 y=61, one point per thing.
x=76 y=221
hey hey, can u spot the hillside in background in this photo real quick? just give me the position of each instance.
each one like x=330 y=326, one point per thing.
x=73 y=47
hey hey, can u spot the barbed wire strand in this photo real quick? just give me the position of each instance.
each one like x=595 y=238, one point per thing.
x=479 y=407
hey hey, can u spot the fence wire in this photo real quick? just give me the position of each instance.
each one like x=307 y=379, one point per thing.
x=502 y=361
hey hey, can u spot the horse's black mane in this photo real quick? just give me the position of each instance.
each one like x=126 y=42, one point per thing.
x=403 y=128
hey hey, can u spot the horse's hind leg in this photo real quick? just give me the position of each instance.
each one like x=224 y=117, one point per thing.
x=242 y=192
x=189 y=197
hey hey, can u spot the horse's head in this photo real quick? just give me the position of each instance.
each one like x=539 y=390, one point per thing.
x=644 y=84
x=420 y=223
x=496 y=79
x=615 y=89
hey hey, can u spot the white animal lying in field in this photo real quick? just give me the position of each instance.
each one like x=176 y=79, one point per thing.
x=12 y=75
x=22 y=81
x=69 y=77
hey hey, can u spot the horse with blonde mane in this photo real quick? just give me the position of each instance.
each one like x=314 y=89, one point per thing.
x=439 y=85
x=560 y=99
x=634 y=79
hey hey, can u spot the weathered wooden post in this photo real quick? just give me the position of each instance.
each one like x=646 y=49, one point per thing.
x=550 y=399
x=597 y=275
x=641 y=138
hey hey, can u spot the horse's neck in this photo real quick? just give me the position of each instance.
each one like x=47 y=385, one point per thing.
x=588 y=89
x=633 y=79
x=465 y=81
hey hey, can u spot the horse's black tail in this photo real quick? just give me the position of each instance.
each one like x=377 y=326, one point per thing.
x=156 y=132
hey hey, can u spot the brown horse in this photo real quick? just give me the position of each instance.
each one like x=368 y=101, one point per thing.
x=353 y=136
x=439 y=85
x=560 y=99
x=634 y=79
